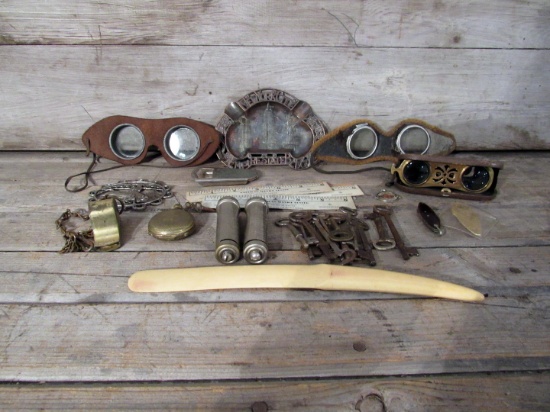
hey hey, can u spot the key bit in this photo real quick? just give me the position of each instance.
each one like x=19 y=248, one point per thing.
x=313 y=252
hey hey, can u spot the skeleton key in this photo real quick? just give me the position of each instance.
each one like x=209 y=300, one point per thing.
x=365 y=246
x=303 y=218
x=385 y=241
x=295 y=232
x=405 y=250
x=344 y=253
x=341 y=230
x=360 y=242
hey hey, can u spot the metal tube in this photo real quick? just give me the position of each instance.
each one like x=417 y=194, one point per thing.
x=255 y=236
x=227 y=230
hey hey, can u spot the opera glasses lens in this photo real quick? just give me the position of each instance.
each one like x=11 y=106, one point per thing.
x=476 y=178
x=181 y=141
x=416 y=172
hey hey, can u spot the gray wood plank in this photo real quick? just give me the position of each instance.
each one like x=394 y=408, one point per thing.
x=510 y=392
x=473 y=23
x=35 y=231
x=33 y=197
x=490 y=99
x=156 y=342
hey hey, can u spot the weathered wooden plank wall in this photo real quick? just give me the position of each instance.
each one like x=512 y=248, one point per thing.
x=476 y=68
x=333 y=23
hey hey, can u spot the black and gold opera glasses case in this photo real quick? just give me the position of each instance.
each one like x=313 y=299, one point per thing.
x=363 y=141
x=447 y=176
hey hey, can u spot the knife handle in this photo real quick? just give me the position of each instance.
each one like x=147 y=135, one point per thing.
x=430 y=219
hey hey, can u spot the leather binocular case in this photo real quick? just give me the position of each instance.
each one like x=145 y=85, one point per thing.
x=447 y=176
x=363 y=141
x=127 y=140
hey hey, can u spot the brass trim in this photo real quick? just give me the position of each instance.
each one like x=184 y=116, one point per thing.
x=443 y=174
x=105 y=223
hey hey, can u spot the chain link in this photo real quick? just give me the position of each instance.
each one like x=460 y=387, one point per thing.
x=75 y=241
x=133 y=194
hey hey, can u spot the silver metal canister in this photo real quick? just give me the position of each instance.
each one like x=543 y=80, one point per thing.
x=227 y=230
x=255 y=236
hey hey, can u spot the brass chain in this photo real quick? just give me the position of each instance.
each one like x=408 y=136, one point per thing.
x=75 y=241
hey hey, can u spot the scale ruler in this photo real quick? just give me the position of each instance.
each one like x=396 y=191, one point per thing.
x=262 y=191
x=323 y=189
x=292 y=202
x=352 y=190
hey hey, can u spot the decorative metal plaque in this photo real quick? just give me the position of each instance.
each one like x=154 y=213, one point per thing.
x=268 y=127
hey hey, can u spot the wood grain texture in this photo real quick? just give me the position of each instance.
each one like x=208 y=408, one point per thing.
x=46 y=277
x=72 y=318
x=34 y=197
x=156 y=342
x=475 y=68
x=403 y=23
x=510 y=392
x=490 y=99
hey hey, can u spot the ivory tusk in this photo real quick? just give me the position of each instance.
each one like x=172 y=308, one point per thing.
x=323 y=276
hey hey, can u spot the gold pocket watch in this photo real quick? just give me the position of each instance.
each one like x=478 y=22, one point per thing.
x=172 y=224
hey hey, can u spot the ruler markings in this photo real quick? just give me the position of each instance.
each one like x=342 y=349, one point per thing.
x=296 y=189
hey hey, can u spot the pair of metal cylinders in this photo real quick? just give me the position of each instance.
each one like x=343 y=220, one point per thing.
x=227 y=231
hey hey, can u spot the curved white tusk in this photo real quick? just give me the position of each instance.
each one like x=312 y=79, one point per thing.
x=324 y=277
